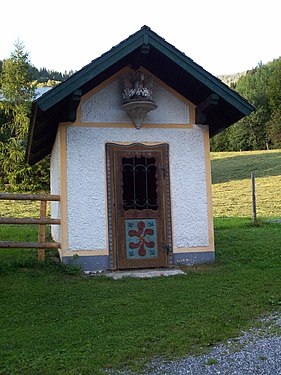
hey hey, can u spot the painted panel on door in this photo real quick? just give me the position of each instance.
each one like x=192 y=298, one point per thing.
x=141 y=238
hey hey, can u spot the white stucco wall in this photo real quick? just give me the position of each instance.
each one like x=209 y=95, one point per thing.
x=86 y=185
x=105 y=106
x=55 y=186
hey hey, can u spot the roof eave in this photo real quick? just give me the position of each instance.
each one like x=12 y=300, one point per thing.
x=93 y=71
x=143 y=37
x=34 y=110
x=90 y=71
x=212 y=82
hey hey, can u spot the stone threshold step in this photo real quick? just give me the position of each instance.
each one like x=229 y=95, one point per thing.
x=141 y=274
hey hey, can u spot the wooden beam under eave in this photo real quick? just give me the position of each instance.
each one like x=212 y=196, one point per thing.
x=36 y=157
x=73 y=105
x=46 y=138
x=201 y=111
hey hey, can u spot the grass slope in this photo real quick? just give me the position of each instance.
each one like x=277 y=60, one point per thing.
x=21 y=208
x=231 y=177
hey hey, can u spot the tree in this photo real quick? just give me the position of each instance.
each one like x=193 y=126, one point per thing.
x=220 y=141
x=274 y=85
x=262 y=87
x=17 y=92
x=273 y=126
x=273 y=129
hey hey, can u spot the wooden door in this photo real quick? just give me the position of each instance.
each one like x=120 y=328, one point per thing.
x=139 y=206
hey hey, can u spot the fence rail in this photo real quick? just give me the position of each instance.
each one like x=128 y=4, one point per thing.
x=41 y=245
x=28 y=220
x=28 y=245
x=29 y=197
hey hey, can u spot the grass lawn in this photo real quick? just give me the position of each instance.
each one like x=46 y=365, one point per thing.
x=57 y=321
x=54 y=320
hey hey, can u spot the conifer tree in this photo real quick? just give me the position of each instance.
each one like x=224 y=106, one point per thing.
x=17 y=93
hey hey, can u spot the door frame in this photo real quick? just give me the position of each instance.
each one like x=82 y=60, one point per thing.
x=111 y=196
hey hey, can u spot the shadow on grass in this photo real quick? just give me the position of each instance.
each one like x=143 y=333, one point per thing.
x=245 y=222
x=232 y=222
x=21 y=260
x=240 y=167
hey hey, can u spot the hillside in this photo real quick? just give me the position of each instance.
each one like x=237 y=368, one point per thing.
x=46 y=77
x=230 y=79
x=231 y=178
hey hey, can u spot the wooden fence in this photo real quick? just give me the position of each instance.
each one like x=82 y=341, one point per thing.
x=41 y=245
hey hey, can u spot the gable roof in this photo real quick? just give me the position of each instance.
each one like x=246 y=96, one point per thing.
x=217 y=104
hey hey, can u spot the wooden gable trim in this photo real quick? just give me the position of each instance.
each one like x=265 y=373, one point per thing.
x=125 y=70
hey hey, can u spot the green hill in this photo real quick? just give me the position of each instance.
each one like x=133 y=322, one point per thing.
x=229 y=79
x=231 y=178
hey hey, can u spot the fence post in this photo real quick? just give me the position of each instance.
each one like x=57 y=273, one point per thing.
x=254 y=198
x=42 y=230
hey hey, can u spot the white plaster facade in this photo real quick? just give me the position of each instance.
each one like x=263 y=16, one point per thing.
x=87 y=218
x=105 y=107
x=87 y=223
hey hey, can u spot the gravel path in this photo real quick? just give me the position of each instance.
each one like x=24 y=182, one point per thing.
x=257 y=351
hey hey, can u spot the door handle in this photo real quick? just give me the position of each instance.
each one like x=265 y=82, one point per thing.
x=165 y=247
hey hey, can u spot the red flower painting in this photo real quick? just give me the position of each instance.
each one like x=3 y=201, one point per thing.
x=141 y=233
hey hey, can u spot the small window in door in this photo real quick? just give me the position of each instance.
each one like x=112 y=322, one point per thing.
x=139 y=174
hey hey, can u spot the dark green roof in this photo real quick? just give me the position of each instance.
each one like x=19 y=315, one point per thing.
x=219 y=105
